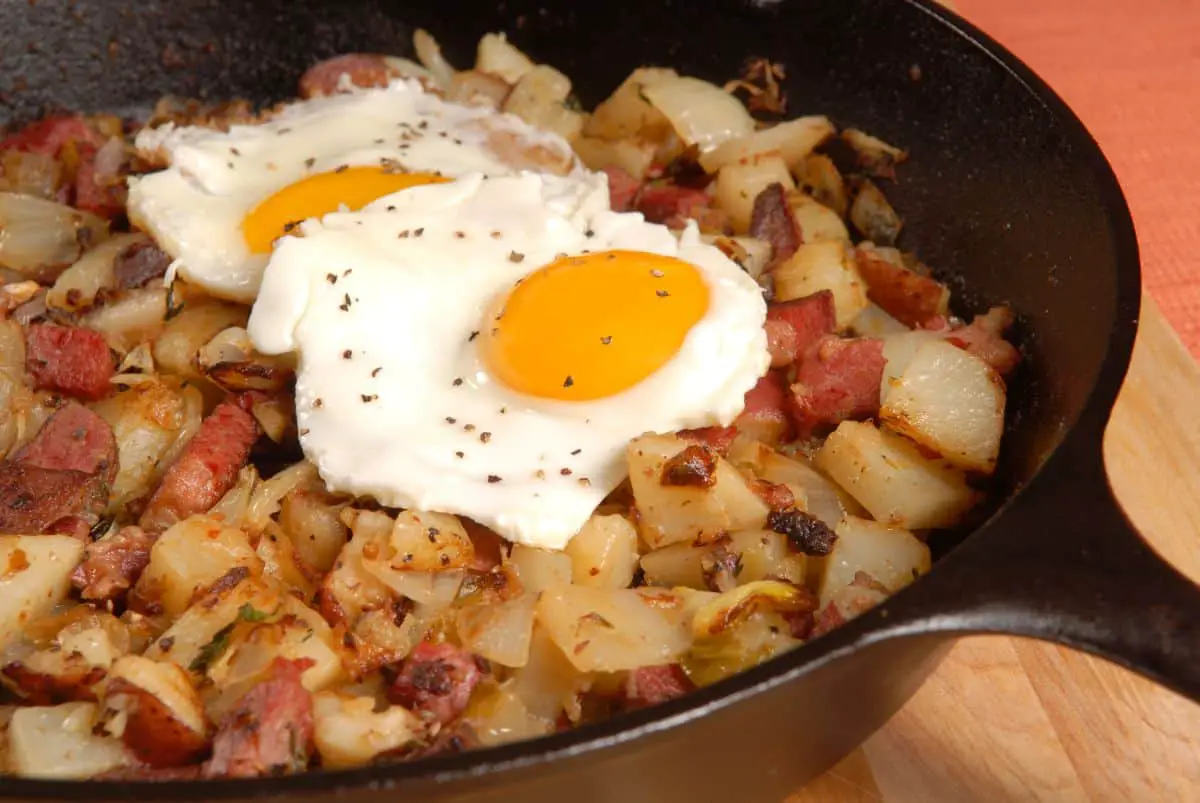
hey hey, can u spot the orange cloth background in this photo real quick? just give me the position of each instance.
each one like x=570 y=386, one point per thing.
x=1131 y=70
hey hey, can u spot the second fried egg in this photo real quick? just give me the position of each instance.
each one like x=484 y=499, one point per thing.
x=226 y=197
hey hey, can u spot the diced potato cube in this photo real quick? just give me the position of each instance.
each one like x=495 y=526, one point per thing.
x=500 y=631
x=60 y=742
x=739 y=183
x=890 y=555
x=817 y=222
x=538 y=100
x=540 y=569
x=675 y=565
x=821 y=266
x=608 y=630
x=889 y=476
x=670 y=514
x=429 y=542
x=313 y=524
x=349 y=732
x=952 y=402
x=634 y=156
x=604 y=553
x=201 y=634
x=35 y=575
x=162 y=718
x=627 y=113
x=190 y=556
x=496 y=55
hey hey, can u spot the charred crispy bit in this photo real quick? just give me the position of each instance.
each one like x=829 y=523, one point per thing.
x=773 y=222
x=138 y=264
x=206 y=469
x=719 y=439
x=112 y=565
x=622 y=189
x=776 y=496
x=75 y=439
x=873 y=216
x=32 y=499
x=760 y=79
x=838 y=379
x=364 y=70
x=269 y=731
x=651 y=685
x=489 y=547
x=38 y=688
x=69 y=359
x=695 y=467
x=720 y=567
x=875 y=157
x=436 y=681
x=805 y=533
x=907 y=296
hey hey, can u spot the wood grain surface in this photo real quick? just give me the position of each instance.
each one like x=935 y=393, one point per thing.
x=1007 y=719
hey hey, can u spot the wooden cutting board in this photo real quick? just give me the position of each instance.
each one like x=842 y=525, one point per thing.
x=1007 y=719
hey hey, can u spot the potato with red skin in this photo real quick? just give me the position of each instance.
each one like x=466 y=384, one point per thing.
x=165 y=725
x=907 y=296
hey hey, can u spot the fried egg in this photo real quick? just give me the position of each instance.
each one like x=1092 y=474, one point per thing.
x=489 y=347
x=226 y=197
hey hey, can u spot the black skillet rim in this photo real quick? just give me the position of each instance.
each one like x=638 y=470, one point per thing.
x=762 y=678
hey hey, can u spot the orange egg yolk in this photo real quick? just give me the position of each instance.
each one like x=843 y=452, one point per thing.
x=591 y=326
x=315 y=196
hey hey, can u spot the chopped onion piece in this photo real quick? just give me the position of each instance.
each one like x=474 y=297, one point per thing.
x=702 y=114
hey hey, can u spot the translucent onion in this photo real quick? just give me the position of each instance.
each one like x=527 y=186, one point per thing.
x=701 y=113
x=38 y=238
x=77 y=286
x=269 y=494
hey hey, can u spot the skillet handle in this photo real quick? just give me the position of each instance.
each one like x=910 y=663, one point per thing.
x=1068 y=567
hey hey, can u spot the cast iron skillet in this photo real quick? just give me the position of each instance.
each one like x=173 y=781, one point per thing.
x=1005 y=190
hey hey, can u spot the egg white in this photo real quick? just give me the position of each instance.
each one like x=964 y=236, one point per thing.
x=194 y=208
x=392 y=396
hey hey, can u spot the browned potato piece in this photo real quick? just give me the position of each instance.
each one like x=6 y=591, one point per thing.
x=671 y=510
x=907 y=296
x=739 y=183
x=823 y=266
x=951 y=402
x=893 y=480
x=892 y=556
x=604 y=553
x=189 y=557
x=177 y=349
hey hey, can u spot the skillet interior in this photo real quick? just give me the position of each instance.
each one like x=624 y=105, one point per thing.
x=1001 y=192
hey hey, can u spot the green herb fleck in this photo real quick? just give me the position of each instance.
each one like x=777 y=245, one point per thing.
x=212 y=650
